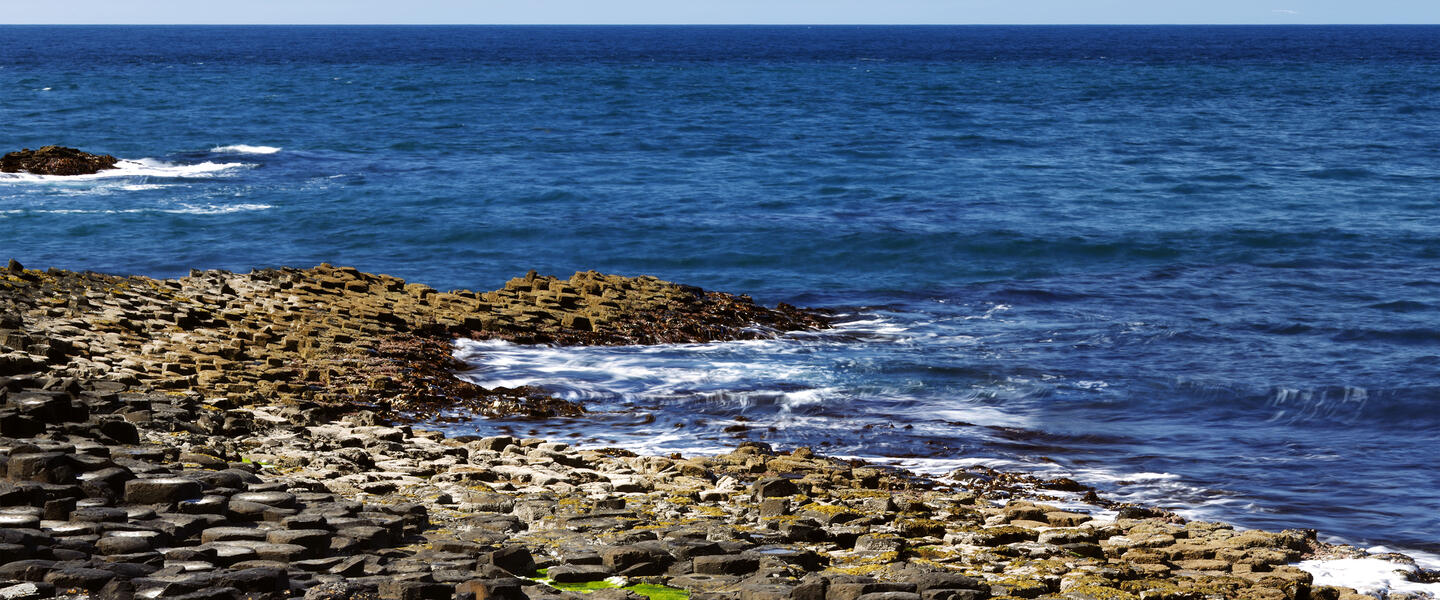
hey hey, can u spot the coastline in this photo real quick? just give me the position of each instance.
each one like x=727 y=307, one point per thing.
x=249 y=432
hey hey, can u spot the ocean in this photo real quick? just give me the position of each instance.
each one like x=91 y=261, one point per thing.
x=1197 y=267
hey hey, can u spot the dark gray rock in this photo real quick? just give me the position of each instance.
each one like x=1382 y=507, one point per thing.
x=275 y=499
x=620 y=558
x=207 y=505
x=854 y=591
x=26 y=570
x=774 y=487
x=79 y=578
x=761 y=591
x=227 y=534
x=726 y=564
x=515 y=559
x=315 y=540
x=890 y=596
x=254 y=580
x=120 y=432
x=241 y=510
x=341 y=590
x=124 y=544
x=491 y=589
x=946 y=581
x=163 y=490
x=210 y=593
x=58 y=509
x=226 y=478
x=44 y=467
x=955 y=594
x=284 y=553
x=227 y=554
x=106 y=483
x=99 y=514
x=350 y=567
x=579 y=573
x=415 y=590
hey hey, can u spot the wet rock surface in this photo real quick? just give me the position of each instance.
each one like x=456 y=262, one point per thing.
x=55 y=160
x=204 y=438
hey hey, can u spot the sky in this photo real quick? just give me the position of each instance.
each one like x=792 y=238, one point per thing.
x=722 y=12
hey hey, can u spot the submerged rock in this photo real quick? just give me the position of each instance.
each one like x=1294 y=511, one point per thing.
x=56 y=160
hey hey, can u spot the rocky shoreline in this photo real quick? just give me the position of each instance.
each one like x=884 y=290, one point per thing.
x=233 y=435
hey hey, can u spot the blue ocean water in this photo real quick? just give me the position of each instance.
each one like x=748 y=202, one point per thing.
x=1195 y=266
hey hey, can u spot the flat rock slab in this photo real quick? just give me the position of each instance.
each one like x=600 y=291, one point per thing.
x=228 y=534
x=20 y=521
x=726 y=564
x=314 y=539
x=579 y=573
x=99 y=514
x=275 y=499
x=163 y=490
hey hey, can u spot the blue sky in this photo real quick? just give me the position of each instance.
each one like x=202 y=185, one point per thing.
x=725 y=11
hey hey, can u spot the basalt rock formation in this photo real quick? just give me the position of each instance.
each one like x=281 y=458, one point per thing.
x=333 y=336
x=55 y=160
x=233 y=436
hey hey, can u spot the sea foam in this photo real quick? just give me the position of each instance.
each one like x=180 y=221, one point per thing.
x=1368 y=576
x=245 y=149
x=144 y=167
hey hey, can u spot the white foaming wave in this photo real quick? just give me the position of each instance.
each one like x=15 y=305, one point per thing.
x=662 y=444
x=1373 y=576
x=184 y=209
x=989 y=313
x=216 y=209
x=625 y=372
x=245 y=149
x=808 y=397
x=145 y=167
x=876 y=326
x=985 y=416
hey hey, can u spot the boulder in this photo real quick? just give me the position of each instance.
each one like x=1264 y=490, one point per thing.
x=55 y=160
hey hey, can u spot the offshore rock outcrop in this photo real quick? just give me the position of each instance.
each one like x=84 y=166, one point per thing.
x=55 y=160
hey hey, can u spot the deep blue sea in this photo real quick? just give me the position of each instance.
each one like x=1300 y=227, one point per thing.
x=1194 y=266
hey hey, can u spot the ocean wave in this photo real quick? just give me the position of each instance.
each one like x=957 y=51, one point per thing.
x=245 y=149
x=144 y=167
x=183 y=209
x=1373 y=576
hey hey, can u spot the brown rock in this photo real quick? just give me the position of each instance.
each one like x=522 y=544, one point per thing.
x=55 y=160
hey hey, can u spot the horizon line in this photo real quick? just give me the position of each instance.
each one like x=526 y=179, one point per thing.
x=719 y=24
